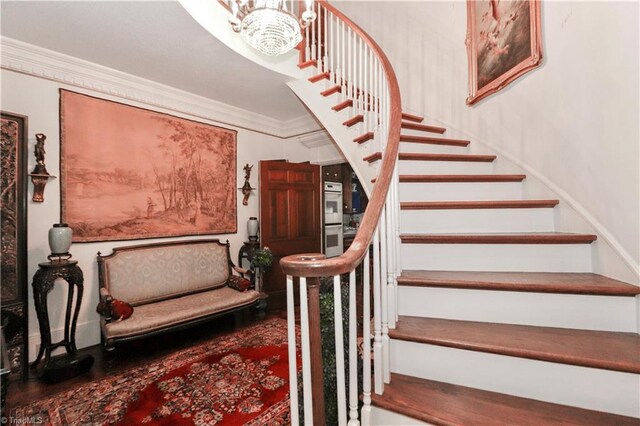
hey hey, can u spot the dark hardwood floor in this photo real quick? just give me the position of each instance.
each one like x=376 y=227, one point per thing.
x=126 y=356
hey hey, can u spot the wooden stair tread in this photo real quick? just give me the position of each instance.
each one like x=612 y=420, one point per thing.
x=447 y=404
x=319 y=77
x=364 y=138
x=462 y=178
x=373 y=157
x=504 y=238
x=306 y=64
x=354 y=120
x=539 y=282
x=445 y=157
x=596 y=349
x=423 y=127
x=409 y=156
x=498 y=204
x=412 y=117
x=433 y=141
x=343 y=105
x=331 y=90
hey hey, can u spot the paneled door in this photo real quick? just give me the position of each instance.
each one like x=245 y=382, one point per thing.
x=289 y=218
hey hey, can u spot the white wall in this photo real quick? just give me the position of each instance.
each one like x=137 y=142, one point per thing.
x=572 y=123
x=38 y=99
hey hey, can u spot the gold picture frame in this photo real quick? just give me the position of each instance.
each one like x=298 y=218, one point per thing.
x=503 y=43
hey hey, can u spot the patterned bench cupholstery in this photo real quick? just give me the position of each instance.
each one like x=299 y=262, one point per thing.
x=153 y=288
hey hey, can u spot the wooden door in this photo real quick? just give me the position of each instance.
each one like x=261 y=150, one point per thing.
x=289 y=218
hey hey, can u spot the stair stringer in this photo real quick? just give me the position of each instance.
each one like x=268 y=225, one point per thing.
x=320 y=106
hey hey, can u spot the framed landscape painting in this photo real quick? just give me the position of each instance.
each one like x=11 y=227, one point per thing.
x=503 y=43
x=131 y=173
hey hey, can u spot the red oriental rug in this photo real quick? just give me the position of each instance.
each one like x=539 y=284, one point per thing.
x=238 y=379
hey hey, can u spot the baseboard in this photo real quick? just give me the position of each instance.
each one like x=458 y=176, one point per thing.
x=87 y=334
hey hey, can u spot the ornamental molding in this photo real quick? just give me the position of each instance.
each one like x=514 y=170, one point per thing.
x=43 y=63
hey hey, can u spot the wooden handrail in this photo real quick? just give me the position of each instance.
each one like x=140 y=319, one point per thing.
x=300 y=265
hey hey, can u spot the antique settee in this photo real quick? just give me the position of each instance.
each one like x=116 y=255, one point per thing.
x=169 y=286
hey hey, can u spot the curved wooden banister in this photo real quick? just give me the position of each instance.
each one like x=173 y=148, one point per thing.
x=301 y=265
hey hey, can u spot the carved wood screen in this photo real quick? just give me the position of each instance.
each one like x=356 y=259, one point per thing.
x=13 y=254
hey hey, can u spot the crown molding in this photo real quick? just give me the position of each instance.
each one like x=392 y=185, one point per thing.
x=71 y=71
x=315 y=139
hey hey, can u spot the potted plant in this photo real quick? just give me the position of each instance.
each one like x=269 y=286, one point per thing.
x=260 y=263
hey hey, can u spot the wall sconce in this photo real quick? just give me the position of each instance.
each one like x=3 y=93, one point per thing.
x=39 y=176
x=246 y=188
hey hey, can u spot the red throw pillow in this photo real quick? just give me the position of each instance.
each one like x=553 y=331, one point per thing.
x=120 y=310
x=238 y=283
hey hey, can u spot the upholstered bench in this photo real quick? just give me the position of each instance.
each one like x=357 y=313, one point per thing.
x=168 y=286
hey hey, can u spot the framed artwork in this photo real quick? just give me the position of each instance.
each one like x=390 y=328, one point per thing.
x=131 y=173
x=13 y=240
x=503 y=43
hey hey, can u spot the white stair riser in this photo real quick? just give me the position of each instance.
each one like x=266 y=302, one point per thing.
x=477 y=220
x=590 y=388
x=380 y=416
x=460 y=191
x=427 y=148
x=498 y=257
x=416 y=167
x=606 y=313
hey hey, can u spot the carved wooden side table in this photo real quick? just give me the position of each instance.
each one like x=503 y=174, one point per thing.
x=43 y=282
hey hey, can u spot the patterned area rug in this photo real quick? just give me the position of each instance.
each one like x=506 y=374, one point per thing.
x=238 y=379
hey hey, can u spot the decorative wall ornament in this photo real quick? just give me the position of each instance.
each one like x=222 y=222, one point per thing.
x=246 y=188
x=39 y=176
x=503 y=42
x=131 y=173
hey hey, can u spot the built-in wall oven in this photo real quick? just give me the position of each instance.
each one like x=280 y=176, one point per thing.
x=333 y=245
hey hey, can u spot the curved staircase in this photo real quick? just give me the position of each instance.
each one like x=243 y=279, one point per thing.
x=498 y=312
x=494 y=316
x=500 y=320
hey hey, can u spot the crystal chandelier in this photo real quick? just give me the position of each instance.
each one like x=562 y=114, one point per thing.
x=269 y=25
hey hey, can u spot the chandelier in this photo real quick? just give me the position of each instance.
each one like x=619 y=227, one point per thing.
x=269 y=25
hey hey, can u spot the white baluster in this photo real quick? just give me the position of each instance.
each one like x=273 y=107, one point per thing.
x=313 y=40
x=307 y=44
x=325 y=43
x=353 y=70
x=366 y=335
x=384 y=296
x=398 y=271
x=319 y=40
x=377 y=312
x=360 y=77
x=293 y=364
x=306 y=353
x=331 y=49
x=343 y=62
x=339 y=335
x=365 y=87
x=391 y=250
x=337 y=57
x=353 y=352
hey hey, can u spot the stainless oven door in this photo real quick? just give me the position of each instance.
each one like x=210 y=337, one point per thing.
x=332 y=203
x=333 y=244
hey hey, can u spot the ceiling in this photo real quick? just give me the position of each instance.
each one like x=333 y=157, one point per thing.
x=155 y=40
